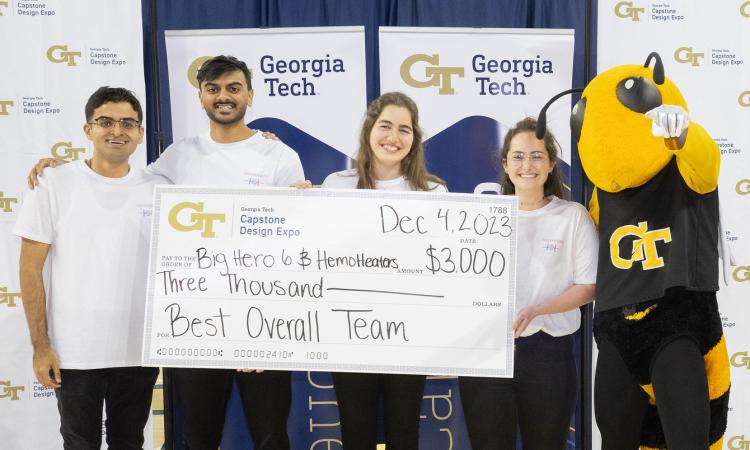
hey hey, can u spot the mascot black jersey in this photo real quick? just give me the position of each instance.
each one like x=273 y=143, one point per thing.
x=651 y=241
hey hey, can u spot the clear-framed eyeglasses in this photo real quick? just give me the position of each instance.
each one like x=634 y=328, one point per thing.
x=533 y=157
x=108 y=123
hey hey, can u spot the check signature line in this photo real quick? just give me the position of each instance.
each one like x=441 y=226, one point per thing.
x=386 y=292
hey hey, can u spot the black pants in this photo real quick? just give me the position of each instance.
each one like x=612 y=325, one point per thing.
x=357 y=395
x=539 y=399
x=203 y=395
x=679 y=382
x=125 y=392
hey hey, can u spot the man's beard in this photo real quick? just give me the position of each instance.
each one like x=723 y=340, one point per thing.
x=239 y=116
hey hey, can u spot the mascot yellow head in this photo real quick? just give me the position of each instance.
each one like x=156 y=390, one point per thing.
x=615 y=143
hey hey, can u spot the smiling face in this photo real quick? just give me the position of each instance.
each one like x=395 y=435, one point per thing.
x=527 y=164
x=391 y=138
x=113 y=144
x=226 y=98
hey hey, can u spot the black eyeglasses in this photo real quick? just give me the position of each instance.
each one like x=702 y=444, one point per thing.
x=109 y=123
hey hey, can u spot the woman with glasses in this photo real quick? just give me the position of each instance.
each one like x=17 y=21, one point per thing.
x=557 y=254
x=391 y=157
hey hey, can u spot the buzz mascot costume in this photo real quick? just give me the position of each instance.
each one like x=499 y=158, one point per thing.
x=662 y=375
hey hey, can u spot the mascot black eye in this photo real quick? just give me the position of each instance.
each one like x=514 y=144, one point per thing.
x=576 y=118
x=638 y=94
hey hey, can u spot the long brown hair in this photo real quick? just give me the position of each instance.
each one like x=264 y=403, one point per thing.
x=554 y=184
x=413 y=166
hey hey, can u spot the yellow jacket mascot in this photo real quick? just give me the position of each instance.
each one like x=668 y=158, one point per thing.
x=662 y=376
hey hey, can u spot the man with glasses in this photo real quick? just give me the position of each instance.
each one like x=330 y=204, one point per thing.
x=230 y=154
x=89 y=221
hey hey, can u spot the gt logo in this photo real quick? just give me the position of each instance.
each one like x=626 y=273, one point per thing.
x=9 y=297
x=9 y=391
x=741 y=273
x=743 y=187
x=686 y=55
x=199 y=220
x=65 y=150
x=745 y=9
x=741 y=359
x=644 y=246
x=744 y=100
x=5 y=203
x=436 y=76
x=192 y=71
x=626 y=10
x=738 y=443
x=60 y=54
x=4 y=104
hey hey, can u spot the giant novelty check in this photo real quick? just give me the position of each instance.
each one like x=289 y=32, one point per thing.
x=353 y=281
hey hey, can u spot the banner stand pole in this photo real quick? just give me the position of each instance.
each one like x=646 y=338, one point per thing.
x=156 y=97
x=587 y=312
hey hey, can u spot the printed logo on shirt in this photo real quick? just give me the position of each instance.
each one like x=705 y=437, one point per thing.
x=198 y=219
x=4 y=105
x=9 y=391
x=144 y=210
x=192 y=71
x=743 y=187
x=256 y=179
x=552 y=245
x=434 y=75
x=626 y=10
x=66 y=151
x=686 y=55
x=6 y=203
x=744 y=99
x=741 y=274
x=740 y=359
x=745 y=9
x=738 y=443
x=644 y=246
x=59 y=54
x=9 y=298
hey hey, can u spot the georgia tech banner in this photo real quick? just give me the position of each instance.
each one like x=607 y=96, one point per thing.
x=54 y=54
x=308 y=83
x=705 y=47
x=473 y=84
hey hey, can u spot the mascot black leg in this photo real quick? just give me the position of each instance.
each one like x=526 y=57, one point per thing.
x=679 y=378
x=619 y=402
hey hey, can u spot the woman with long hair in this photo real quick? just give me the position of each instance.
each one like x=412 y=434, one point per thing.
x=557 y=249
x=391 y=157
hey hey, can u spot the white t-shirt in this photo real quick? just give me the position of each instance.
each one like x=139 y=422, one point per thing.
x=98 y=231
x=255 y=161
x=347 y=179
x=557 y=247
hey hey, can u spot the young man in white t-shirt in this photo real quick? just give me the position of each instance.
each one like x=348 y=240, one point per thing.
x=231 y=154
x=89 y=221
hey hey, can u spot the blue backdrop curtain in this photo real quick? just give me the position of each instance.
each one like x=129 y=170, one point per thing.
x=211 y=14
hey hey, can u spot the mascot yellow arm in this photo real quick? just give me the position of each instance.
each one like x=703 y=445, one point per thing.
x=698 y=160
x=594 y=208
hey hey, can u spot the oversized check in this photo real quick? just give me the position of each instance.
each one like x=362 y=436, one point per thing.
x=356 y=281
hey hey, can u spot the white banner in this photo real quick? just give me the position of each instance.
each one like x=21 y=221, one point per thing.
x=458 y=74
x=386 y=283
x=705 y=47
x=54 y=55
x=312 y=78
